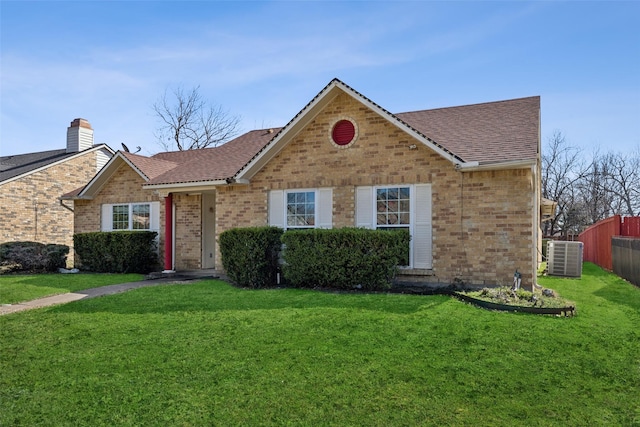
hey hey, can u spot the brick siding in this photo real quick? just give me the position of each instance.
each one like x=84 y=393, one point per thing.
x=124 y=186
x=482 y=224
x=482 y=221
x=31 y=210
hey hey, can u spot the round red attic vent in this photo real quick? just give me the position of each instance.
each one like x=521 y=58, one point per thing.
x=343 y=132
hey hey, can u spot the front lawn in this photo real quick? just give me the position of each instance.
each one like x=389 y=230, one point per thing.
x=16 y=288
x=207 y=353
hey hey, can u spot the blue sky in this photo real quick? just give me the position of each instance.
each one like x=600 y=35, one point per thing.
x=108 y=62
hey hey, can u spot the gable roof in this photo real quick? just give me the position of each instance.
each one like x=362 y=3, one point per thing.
x=312 y=109
x=147 y=167
x=19 y=165
x=499 y=134
x=504 y=132
x=207 y=166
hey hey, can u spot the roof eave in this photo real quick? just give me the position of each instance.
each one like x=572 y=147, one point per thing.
x=402 y=125
x=75 y=198
x=66 y=159
x=193 y=186
x=311 y=110
x=486 y=166
x=101 y=178
x=289 y=131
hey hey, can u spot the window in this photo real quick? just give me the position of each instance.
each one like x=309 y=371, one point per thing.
x=393 y=207
x=131 y=216
x=301 y=209
x=304 y=208
x=120 y=217
x=405 y=207
x=141 y=217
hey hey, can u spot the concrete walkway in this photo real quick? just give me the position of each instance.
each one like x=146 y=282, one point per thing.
x=182 y=277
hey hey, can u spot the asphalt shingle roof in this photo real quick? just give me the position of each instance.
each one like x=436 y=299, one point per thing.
x=489 y=132
x=12 y=166
x=211 y=164
x=151 y=167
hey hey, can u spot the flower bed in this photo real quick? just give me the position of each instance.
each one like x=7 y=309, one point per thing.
x=506 y=299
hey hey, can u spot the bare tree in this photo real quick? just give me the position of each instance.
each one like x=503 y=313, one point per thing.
x=594 y=191
x=623 y=181
x=562 y=168
x=187 y=122
x=587 y=193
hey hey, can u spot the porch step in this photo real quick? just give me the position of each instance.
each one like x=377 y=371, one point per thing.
x=184 y=274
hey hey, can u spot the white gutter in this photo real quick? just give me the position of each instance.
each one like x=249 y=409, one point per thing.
x=76 y=198
x=477 y=166
x=187 y=185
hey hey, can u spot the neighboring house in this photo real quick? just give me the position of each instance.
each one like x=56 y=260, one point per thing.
x=31 y=185
x=465 y=181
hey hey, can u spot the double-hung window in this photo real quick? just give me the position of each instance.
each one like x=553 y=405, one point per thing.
x=399 y=207
x=301 y=208
x=130 y=216
x=393 y=208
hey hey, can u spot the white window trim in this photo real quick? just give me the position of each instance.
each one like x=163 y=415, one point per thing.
x=106 y=223
x=323 y=208
x=366 y=216
x=412 y=210
x=315 y=209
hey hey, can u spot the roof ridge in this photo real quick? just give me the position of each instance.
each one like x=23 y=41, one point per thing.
x=31 y=154
x=140 y=156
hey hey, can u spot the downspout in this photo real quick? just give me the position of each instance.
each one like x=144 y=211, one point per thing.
x=536 y=225
x=35 y=219
x=65 y=206
x=168 y=234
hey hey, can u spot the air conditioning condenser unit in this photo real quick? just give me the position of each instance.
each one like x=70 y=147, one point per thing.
x=564 y=258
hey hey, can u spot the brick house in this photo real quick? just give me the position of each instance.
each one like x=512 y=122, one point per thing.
x=464 y=180
x=31 y=184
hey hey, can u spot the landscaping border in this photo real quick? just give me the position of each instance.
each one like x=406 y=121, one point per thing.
x=566 y=311
x=408 y=289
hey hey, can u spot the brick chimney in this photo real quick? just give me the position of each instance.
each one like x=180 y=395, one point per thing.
x=79 y=136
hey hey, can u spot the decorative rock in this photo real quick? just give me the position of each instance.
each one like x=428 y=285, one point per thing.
x=548 y=293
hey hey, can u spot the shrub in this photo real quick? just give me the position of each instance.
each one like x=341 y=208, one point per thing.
x=117 y=251
x=33 y=256
x=345 y=258
x=250 y=255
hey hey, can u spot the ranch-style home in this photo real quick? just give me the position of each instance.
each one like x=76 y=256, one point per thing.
x=465 y=182
x=31 y=185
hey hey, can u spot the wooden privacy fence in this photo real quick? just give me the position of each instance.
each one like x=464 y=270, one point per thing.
x=630 y=226
x=597 y=241
x=597 y=238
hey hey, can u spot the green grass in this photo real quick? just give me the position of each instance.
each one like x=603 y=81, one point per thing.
x=207 y=353
x=18 y=288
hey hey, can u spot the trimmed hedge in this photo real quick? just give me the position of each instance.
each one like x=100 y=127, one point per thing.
x=117 y=251
x=346 y=258
x=250 y=255
x=33 y=256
